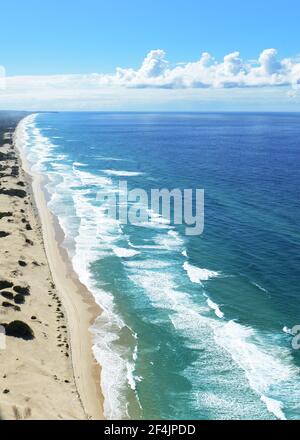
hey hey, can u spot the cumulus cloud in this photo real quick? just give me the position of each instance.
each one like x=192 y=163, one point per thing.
x=207 y=72
x=160 y=83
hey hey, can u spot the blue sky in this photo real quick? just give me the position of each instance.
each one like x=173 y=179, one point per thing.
x=96 y=36
x=57 y=36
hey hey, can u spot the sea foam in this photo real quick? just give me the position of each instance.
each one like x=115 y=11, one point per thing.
x=122 y=173
x=215 y=307
x=124 y=252
x=197 y=275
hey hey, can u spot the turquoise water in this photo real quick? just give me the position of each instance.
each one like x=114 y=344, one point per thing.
x=193 y=327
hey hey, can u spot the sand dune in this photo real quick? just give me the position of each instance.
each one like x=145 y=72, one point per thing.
x=47 y=370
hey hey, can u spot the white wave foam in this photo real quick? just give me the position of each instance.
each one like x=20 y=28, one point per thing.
x=264 y=370
x=147 y=246
x=117 y=365
x=172 y=241
x=60 y=167
x=131 y=377
x=125 y=252
x=117 y=370
x=79 y=164
x=30 y=141
x=92 y=179
x=215 y=308
x=274 y=407
x=197 y=275
x=160 y=287
x=260 y=287
x=113 y=159
x=148 y=264
x=152 y=225
x=122 y=173
x=287 y=330
x=157 y=218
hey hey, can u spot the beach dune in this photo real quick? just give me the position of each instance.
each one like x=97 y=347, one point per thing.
x=47 y=369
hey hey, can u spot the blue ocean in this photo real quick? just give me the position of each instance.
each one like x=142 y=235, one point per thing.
x=193 y=327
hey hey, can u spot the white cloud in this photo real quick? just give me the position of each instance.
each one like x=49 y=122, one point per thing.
x=207 y=72
x=155 y=71
x=268 y=62
x=161 y=82
x=2 y=78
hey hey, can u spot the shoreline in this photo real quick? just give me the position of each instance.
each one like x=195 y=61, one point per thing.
x=79 y=304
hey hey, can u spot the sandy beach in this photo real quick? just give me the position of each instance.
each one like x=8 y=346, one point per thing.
x=48 y=370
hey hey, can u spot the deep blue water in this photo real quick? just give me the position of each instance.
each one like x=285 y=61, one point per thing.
x=192 y=325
